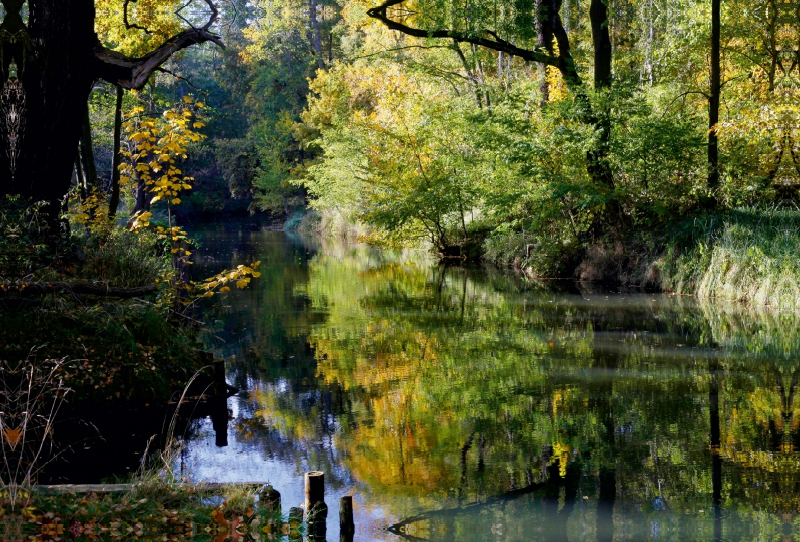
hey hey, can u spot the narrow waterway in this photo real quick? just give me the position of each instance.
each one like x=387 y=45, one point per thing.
x=465 y=404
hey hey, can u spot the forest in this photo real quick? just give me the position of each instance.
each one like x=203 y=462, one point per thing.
x=602 y=141
x=387 y=222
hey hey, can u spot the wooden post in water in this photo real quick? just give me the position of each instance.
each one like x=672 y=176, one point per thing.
x=315 y=488
x=347 y=526
x=271 y=499
x=316 y=509
x=295 y=522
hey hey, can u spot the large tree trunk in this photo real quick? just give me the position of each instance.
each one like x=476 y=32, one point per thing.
x=48 y=68
x=42 y=109
x=544 y=41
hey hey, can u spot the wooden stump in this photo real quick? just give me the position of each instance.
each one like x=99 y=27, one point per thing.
x=271 y=499
x=316 y=509
x=220 y=385
x=347 y=526
x=315 y=489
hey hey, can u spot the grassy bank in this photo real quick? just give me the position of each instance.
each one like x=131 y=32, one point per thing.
x=746 y=255
x=158 y=505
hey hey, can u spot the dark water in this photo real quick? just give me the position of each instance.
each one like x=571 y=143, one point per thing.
x=464 y=404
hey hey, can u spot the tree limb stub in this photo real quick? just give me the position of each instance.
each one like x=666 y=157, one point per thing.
x=28 y=289
x=497 y=44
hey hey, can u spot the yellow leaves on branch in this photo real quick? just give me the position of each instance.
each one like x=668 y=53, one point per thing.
x=156 y=144
x=219 y=283
x=140 y=220
x=157 y=16
x=92 y=212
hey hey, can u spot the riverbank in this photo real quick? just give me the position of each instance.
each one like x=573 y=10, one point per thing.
x=743 y=255
x=746 y=255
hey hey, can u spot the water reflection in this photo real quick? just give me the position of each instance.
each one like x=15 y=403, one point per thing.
x=463 y=404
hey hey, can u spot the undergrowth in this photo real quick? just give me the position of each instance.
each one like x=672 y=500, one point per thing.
x=747 y=255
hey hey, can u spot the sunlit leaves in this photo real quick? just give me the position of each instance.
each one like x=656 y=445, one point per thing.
x=157 y=144
x=240 y=276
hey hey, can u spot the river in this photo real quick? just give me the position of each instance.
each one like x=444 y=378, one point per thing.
x=466 y=404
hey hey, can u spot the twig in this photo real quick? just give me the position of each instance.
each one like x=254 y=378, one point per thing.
x=129 y=25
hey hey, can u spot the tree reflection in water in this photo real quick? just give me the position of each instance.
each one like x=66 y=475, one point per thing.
x=466 y=404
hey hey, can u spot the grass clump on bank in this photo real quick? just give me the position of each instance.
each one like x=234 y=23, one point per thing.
x=746 y=255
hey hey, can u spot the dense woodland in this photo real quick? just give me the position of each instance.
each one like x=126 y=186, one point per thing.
x=536 y=133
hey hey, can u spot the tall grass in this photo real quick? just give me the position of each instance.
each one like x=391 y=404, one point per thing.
x=125 y=259
x=749 y=255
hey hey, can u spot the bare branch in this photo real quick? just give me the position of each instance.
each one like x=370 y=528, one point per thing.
x=214 y=14
x=25 y=289
x=185 y=80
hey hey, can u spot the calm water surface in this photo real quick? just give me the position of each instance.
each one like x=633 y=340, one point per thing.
x=464 y=404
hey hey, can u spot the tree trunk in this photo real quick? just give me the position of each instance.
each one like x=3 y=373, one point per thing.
x=598 y=157
x=80 y=176
x=544 y=40
x=48 y=96
x=316 y=36
x=87 y=155
x=48 y=67
x=713 y=102
x=115 y=160
x=142 y=197
x=598 y=15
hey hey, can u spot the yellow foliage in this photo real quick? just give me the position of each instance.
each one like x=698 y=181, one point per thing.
x=218 y=283
x=156 y=144
x=92 y=212
x=157 y=16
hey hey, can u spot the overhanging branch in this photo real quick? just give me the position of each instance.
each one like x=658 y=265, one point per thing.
x=133 y=73
x=494 y=42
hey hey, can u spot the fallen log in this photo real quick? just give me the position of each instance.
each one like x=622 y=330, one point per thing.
x=80 y=489
x=29 y=289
